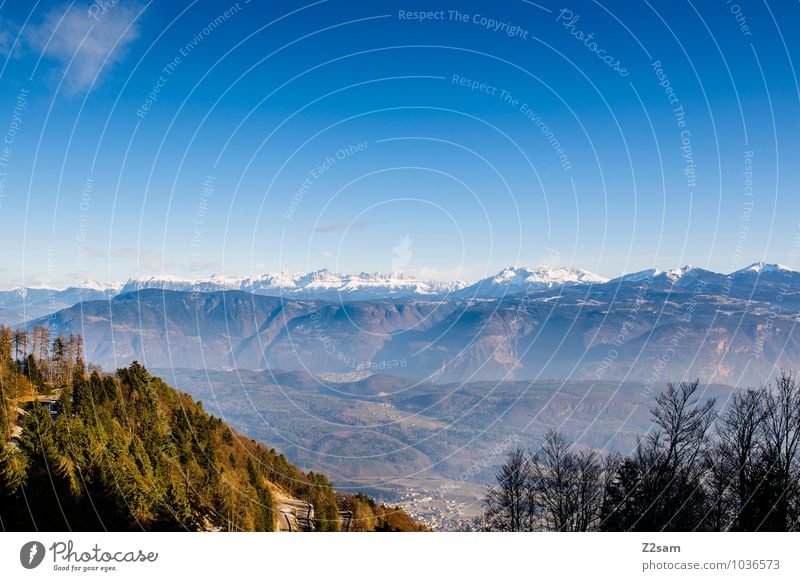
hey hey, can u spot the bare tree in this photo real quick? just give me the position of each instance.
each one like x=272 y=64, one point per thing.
x=507 y=503
x=662 y=484
x=782 y=440
x=568 y=485
x=733 y=460
x=555 y=474
x=683 y=476
x=35 y=341
x=44 y=344
x=590 y=489
x=683 y=423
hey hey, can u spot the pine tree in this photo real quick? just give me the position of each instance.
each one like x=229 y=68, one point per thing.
x=6 y=343
x=20 y=339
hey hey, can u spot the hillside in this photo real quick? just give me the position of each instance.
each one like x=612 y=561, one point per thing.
x=82 y=450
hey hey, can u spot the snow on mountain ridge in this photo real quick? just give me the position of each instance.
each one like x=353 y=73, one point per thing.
x=303 y=283
x=639 y=276
x=95 y=285
x=545 y=275
x=759 y=267
x=325 y=283
x=675 y=274
x=513 y=280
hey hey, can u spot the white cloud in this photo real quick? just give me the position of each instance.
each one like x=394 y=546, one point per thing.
x=83 y=45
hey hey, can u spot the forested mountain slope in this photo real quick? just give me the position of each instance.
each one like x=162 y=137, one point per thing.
x=83 y=450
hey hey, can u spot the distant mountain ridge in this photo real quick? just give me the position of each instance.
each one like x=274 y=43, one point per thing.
x=319 y=284
x=519 y=280
x=28 y=303
x=656 y=326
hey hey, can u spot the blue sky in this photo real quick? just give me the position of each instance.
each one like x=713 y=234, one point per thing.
x=221 y=137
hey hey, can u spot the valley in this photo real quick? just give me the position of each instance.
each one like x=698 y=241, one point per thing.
x=428 y=447
x=416 y=395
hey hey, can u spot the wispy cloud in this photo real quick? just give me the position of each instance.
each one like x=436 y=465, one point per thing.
x=5 y=43
x=83 y=45
x=146 y=259
x=94 y=252
x=11 y=38
x=340 y=227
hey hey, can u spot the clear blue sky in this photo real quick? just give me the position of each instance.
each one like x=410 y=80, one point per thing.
x=170 y=137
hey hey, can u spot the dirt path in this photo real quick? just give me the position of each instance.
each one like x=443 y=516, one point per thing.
x=292 y=513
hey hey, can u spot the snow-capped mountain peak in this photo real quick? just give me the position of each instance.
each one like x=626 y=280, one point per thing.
x=515 y=279
x=92 y=284
x=675 y=274
x=165 y=282
x=639 y=276
x=546 y=275
x=762 y=267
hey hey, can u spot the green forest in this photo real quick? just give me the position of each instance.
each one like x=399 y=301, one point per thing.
x=85 y=450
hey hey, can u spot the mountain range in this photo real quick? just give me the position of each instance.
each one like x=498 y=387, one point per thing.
x=25 y=303
x=521 y=324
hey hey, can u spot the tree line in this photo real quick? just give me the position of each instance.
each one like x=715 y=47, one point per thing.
x=697 y=469
x=46 y=362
